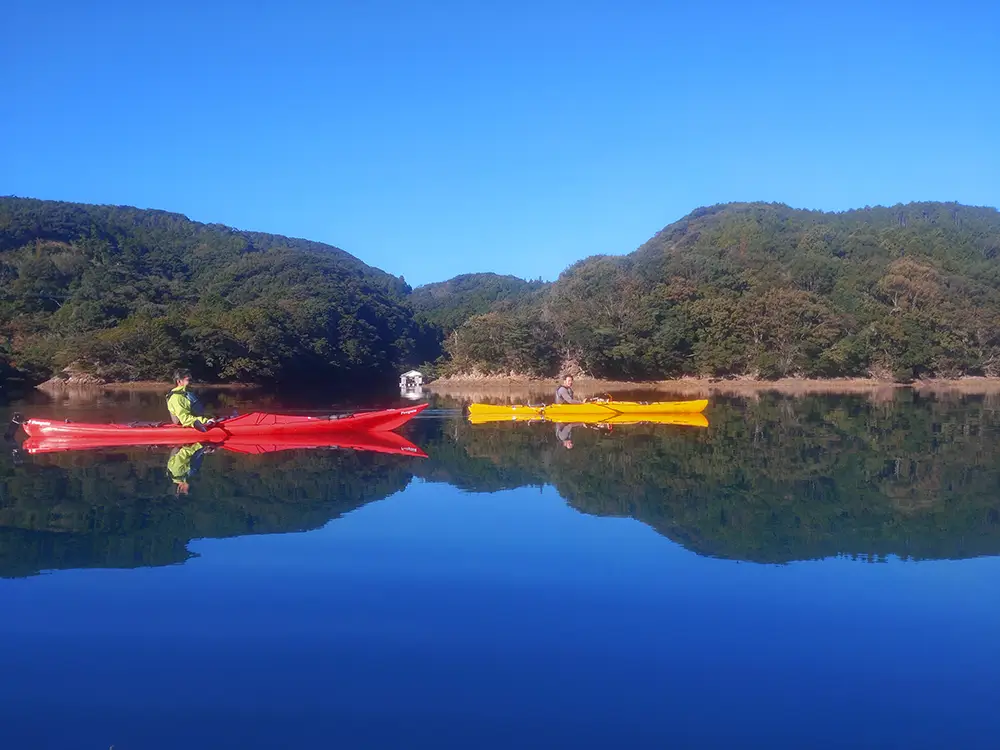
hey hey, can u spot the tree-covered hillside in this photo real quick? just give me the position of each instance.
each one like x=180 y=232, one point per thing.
x=448 y=304
x=766 y=290
x=760 y=290
x=131 y=294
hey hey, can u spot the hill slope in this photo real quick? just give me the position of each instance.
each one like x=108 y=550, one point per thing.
x=448 y=304
x=766 y=290
x=131 y=294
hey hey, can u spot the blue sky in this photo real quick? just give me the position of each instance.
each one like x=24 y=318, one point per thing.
x=431 y=139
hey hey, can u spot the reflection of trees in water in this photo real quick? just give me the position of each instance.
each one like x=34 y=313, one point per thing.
x=777 y=479
x=119 y=509
x=772 y=480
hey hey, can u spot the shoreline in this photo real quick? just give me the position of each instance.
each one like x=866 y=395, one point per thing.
x=61 y=384
x=708 y=386
x=590 y=386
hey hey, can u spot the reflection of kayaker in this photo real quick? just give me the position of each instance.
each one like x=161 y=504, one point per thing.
x=564 y=431
x=184 y=463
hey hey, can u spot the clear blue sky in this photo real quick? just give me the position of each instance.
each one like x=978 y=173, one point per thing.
x=437 y=138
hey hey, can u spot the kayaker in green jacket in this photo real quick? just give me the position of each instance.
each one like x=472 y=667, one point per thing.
x=184 y=407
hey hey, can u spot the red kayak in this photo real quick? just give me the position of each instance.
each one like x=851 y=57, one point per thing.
x=377 y=442
x=253 y=425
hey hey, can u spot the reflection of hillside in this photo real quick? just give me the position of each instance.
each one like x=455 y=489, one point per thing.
x=119 y=509
x=488 y=463
x=25 y=553
x=772 y=480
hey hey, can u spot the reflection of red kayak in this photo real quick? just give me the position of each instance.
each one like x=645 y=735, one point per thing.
x=378 y=442
x=254 y=425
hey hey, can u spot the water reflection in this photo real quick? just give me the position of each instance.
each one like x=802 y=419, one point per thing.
x=184 y=462
x=771 y=480
x=778 y=479
x=121 y=508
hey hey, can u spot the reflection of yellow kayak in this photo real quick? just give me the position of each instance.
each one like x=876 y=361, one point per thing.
x=688 y=420
x=564 y=412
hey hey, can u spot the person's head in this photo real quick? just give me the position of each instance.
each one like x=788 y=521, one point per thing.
x=568 y=445
x=568 y=381
x=182 y=488
x=182 y=377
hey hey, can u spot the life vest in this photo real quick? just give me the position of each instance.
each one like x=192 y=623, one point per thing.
x=194 y=405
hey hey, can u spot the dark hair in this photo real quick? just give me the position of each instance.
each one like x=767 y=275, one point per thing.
x=181 y=374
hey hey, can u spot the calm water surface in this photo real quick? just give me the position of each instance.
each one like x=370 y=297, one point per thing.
x=817 y=572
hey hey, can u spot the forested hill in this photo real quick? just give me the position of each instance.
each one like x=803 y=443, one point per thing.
x=131 y=294
x=765 y=290
x=448 y=304
x=759 y=290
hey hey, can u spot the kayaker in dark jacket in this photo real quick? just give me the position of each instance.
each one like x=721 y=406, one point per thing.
x=184 y=407
x=564 y=393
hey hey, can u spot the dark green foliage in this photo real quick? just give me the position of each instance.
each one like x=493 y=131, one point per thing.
x=769 y=291
x=448 y=304
x=131 y=294
x=505 y=343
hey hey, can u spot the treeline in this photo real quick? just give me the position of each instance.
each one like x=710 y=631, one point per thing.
x=767 y=291
x=127 y=294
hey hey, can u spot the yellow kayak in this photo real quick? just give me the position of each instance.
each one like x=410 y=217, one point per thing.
x=687 y=420
x=565 y=412
x=505 y=412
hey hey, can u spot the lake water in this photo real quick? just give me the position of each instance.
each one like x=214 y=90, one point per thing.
x=819 y=572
